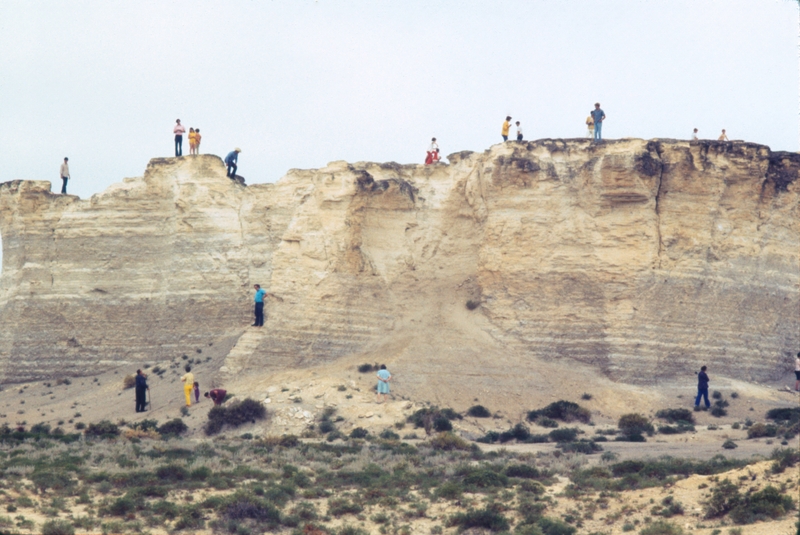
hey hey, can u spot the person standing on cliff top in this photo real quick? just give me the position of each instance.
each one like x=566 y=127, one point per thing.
x=231 y=160
x=64 y=175
x=694 y=135
x=197 y=138
x=506 y=126
x=702 y=388
x=519 y=132
x=723 y=136
x=589 y=126
x=259 y=309
x=179 y=130
x=141 y=391
x=598 y=116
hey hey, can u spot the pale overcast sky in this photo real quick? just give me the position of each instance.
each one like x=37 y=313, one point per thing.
x=299 y=83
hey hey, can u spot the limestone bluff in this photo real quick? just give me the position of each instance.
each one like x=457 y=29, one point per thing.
x=636 y=257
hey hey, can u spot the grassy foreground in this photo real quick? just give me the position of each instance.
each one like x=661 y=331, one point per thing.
x=138 y=482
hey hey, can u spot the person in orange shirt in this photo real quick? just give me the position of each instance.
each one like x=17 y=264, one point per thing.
x=197 y=138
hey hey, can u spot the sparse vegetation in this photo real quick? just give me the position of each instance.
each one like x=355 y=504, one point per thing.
x=479 y=411
x=565 y=411
x=234 y=414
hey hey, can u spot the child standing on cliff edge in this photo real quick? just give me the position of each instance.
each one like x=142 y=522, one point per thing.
x=506 y=126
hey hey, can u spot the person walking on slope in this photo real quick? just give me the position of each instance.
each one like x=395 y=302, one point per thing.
x=188 y=384
x=519 y=132
x=589 y=126
x=506 y=126
x=141 y=391
x=259 y=308
x=598 y=116
x=702 y=388
x=231 y=160
x=723 y=136
x=383 y=383
x=64 y=175
x=179 y=130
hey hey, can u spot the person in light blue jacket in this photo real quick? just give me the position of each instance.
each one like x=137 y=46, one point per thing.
x=383 y=383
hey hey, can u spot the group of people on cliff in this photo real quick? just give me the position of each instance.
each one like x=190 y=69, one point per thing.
x=194 y=139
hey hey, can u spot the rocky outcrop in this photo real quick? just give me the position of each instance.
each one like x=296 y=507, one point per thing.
x=636 y=257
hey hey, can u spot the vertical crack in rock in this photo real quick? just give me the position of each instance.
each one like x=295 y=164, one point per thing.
x=658 y=199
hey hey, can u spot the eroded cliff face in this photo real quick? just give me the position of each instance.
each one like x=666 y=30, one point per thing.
x=636 y=257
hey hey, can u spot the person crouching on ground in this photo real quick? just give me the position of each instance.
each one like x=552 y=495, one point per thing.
x=383 y=383
x=702 y=388
x=231 y=161
x=217 y=396
x=188 y=384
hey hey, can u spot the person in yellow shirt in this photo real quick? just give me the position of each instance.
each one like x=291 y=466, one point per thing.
x=192 y=142
x=197 y=138
x=506 y=126
x=590 y=127
x=188 y=384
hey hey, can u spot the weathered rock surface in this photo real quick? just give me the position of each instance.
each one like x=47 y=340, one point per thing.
x=639 y=258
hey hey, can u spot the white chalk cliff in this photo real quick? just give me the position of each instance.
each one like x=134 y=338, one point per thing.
x=636 y=257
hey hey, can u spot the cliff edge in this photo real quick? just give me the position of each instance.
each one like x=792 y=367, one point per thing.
x=635 y=257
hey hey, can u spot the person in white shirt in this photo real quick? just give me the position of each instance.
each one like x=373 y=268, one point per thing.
x=64 y=175
x=519 y=132
x=179 y=130
x=589 y=127
x=797 y=372
x=694 y=135
x=434 y=145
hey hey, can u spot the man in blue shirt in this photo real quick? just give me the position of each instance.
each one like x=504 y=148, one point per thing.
x=141 y=391
x=231 y=160
x=598 y=115
x=702 y=388
x=259 y=312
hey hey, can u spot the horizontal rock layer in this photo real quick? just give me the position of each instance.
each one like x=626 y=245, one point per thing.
x=640 y=258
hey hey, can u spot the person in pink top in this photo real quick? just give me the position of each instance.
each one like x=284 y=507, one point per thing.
x=179 y=130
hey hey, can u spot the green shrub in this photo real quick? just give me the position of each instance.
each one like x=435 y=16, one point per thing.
x=326 y=426
x=235 y=414
x=523 y=471
x=544 y=421
x=674 y=416
x=343 y=506
x=518 y=432
x=172 y=472
x=478 y=411
x=448 y=442
x=768 y=503
x=57 y=527
x=566 y=434
x=729 y=445
x=718 y=411
x=441 y=423
x=486 y=518
x=682 y=427
x=366 y=368
x=145 y=425
x=359 y=432
x=102 y=429
x=449 y=490
x=785 y=415
x=784 y=458
x=388 y=434
x=661 y=527
x=582 y=446
x=173 y=427
x=631 y=425
x=762 y=430
x=566 y=411
x=483 y=478
x=531 y=512
x=552 y=526
x=40 y=429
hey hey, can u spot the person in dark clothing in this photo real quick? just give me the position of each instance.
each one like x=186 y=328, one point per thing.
x=141 y=391
x=702 y=388
x=217 y=395
x=231 y=160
